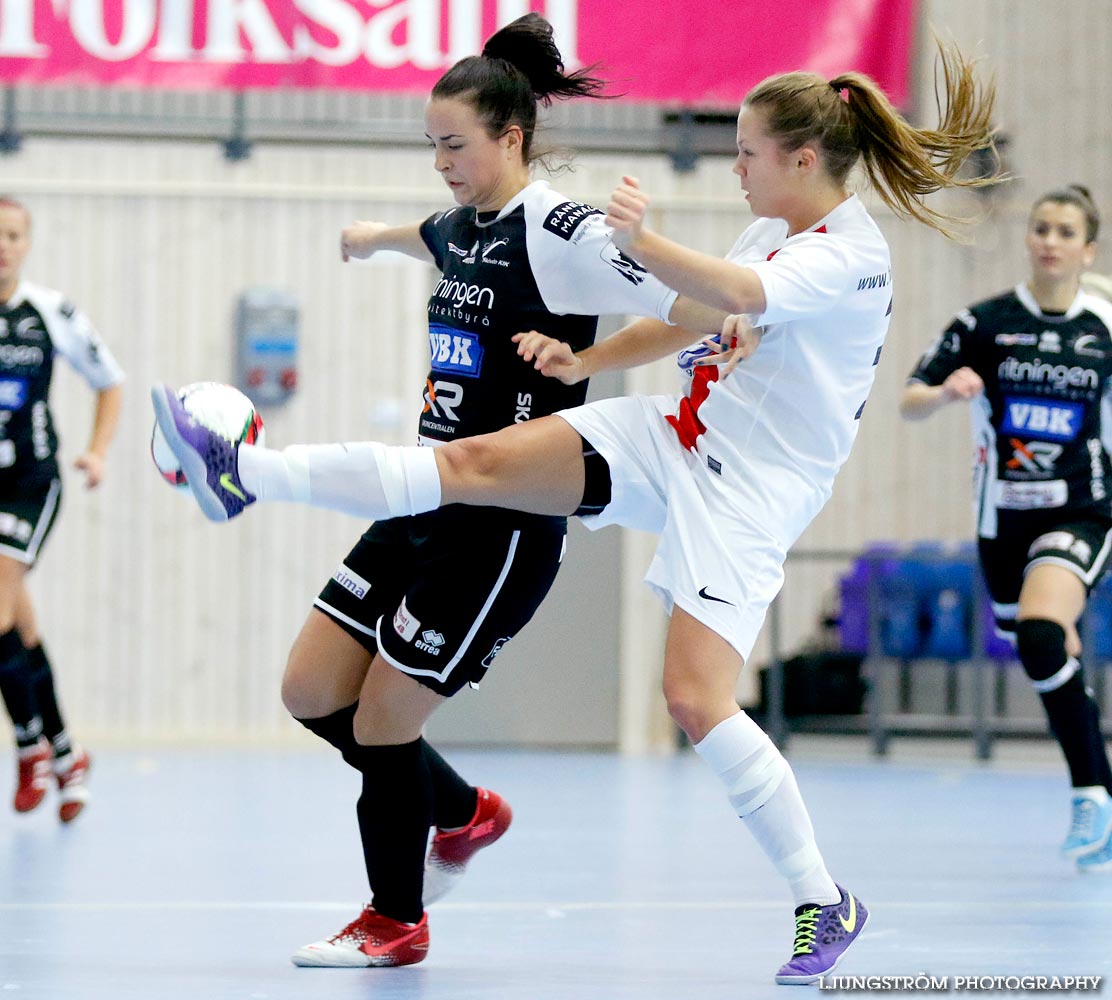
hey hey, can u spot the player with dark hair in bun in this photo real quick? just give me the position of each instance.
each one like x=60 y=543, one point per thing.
x=1035 y=365
x=422 y=605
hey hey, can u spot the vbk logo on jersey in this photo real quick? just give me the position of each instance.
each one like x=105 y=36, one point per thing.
x=455 y=351
x=1054 y=421
x=13 y=393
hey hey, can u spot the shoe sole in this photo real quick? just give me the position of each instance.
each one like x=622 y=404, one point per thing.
x=815 y=977
x=1084 y=850
x=1103 y=868
x=196 y=472
x=306 y=958
x=309 y=958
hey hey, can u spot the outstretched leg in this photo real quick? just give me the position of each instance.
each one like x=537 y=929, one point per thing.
x=535 y=467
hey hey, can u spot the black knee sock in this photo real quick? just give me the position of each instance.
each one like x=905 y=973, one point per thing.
x=454 y=800
x=1075 y=723
x=42 y=680
x=1073 y=714
x=395 y=813
x=338 y=730
x=18 y=691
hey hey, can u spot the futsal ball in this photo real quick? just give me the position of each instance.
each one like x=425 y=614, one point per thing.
x=220 y=408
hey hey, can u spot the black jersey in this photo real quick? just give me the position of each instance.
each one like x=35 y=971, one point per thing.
x=1043 y=426
x=541 y=263
x=35 y=324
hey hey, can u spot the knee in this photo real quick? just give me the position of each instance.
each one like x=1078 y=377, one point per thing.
x=375 y=725
x=301 y=693
x=1041 y=645
x=469 y=459
x=687 y=705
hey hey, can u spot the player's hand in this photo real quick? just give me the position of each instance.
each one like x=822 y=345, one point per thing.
x=626 y=212
x=962 y=384
x=737 y=341
x=550 y=357
x=358 y=239
x=92 y=465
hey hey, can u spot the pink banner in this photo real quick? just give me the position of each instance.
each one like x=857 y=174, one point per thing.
x=705 y=53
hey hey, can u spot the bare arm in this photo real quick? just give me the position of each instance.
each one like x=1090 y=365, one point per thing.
x=642 y=341
x=105 y=418
x=919 y=400
x=362 y=239
x=710 y=280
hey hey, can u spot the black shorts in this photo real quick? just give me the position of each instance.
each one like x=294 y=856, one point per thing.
x=440 y=594
x=1079 y=541
x=27 y=513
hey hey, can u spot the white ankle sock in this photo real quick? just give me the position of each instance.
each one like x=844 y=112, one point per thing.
x=763 y=792
x=365 y=478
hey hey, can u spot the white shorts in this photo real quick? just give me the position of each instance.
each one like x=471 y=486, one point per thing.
x=713 y=560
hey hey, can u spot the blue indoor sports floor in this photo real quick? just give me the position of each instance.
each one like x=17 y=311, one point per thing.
x=194 y=873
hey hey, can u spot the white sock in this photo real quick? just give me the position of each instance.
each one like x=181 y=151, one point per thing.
x=365 y=478
x=763 y=792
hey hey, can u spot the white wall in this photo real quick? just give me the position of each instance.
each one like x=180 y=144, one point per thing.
x=163 y=626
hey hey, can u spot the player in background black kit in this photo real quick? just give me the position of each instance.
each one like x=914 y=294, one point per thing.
x=36 y=325
x=1036 y=366
x=422 y=605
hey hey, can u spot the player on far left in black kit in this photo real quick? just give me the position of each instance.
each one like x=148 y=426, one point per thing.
x=37 y=324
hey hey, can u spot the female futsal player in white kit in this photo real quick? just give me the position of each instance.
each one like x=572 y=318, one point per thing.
x=730 y=473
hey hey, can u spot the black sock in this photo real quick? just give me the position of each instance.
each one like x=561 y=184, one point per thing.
x=338 y=730
x=42 y=680
x=18 y=691
x=1075 y=722
x=454 y=800
x=395 y=813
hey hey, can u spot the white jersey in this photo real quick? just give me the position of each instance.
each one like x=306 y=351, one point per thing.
x=731 y=473
x=779 y=428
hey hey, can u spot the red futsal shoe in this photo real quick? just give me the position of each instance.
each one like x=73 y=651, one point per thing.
x=450 y=851
x=369 y=940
